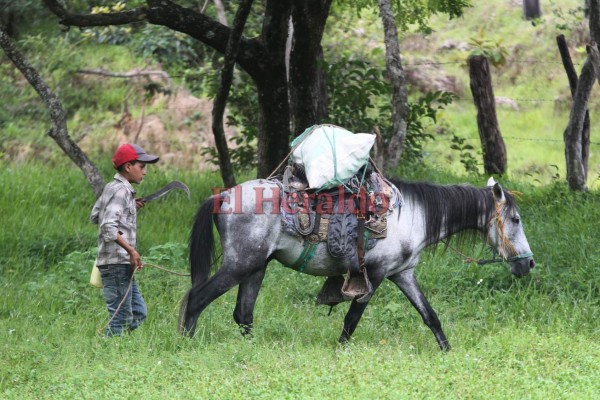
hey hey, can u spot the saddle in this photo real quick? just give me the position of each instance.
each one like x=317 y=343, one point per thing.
x=348 y=219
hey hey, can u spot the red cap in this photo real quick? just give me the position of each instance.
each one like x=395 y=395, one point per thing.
x=132 y=152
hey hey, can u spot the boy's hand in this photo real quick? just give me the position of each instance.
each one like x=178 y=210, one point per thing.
x=136 y=260
x=139 y=203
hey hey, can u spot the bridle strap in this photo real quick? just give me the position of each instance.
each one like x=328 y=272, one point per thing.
x=500 y=259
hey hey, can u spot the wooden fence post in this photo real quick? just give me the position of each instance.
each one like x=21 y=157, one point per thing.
x=494 y=150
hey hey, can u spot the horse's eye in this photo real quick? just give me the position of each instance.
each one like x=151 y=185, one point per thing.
x=516 y=220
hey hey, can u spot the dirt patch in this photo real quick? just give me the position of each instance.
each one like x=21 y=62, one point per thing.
x=426 y=76
x=177 y=127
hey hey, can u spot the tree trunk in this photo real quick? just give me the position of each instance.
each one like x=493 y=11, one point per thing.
x=531 y=9
x=59 y=131
x=223 y=93
x=576 y=176
x=273 y=135
x=494 y=150
x=573 y=82
x=594 y=20
x=576 y=172
x=307 y=84
x=396 y=75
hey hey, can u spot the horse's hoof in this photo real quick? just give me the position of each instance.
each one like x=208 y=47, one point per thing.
x=445 y=347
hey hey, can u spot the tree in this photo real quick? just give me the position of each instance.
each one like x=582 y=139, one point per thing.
x=576 y=136
x=283 y=60
x=263 y=58
x=223 y=93
x=396 y=76
x=577 y=143
x=59 y=131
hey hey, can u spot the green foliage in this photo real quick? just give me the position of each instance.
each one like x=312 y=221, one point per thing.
x=109 y=34
x=420 y=11
x=172 y=49
x=570 y=19
x=242 y=105
x=360 y=99
x=465 y=150
x=357 y=95
x=18 y=17
x=59 y=73
x=413 y=13
x=421 y=113
x=493 y=50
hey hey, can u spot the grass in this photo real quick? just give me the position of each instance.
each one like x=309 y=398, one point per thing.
x=531 y=338
x=534 y=337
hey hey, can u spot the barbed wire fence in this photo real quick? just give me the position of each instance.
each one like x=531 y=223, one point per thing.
x=34 y=109
x=516 y=100
x=513 y=102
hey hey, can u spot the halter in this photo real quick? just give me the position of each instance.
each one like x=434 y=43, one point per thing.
x=504 y=242
x=497 y=257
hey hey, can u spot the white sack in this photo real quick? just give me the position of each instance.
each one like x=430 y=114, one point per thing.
x=331 y=155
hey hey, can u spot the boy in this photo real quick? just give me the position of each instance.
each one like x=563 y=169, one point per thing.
x=115 y=212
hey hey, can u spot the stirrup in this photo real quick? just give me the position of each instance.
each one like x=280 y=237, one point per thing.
x=357 y=286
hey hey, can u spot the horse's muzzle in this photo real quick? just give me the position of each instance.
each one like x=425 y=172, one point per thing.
x=522 y=267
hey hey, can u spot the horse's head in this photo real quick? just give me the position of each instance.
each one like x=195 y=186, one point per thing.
x=506 y=234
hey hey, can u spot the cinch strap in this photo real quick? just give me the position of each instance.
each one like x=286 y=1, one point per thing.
x=308 y=252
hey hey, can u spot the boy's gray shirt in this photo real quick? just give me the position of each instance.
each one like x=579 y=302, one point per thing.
x=115 y=212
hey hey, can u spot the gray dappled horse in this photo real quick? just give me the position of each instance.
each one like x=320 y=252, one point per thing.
x=251 y=235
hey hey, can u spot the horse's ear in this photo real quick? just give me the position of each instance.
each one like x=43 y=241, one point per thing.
x=498 y=192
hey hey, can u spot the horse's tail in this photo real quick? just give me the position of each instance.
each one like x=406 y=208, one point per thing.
x=202 y=243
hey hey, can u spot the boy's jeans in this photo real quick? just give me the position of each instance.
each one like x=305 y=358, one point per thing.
x=133 y=311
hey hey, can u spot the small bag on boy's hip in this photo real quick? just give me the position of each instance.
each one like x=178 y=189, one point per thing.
x=96 y=277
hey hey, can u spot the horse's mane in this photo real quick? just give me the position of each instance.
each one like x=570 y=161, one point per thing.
x=455 y=209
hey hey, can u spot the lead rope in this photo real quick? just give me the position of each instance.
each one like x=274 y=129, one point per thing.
x=101 y=330
x=466 y=259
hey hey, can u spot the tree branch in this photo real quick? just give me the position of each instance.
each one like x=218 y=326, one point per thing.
x=176 y=17
x=223 y=93
x=395 y=74
x=89 y=20
x=127 y=75
x=594 y=55
x=576 y=172
x=563 y=49
x=59 y=131
x=573 y=82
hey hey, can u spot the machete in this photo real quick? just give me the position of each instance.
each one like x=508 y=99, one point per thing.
x=164 y=190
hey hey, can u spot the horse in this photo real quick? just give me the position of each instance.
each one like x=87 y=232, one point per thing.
x=248 y=220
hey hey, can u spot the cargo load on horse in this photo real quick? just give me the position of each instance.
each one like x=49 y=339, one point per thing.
x=335 y=195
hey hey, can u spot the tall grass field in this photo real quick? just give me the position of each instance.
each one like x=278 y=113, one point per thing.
x=537 y=337
x=534 y=337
